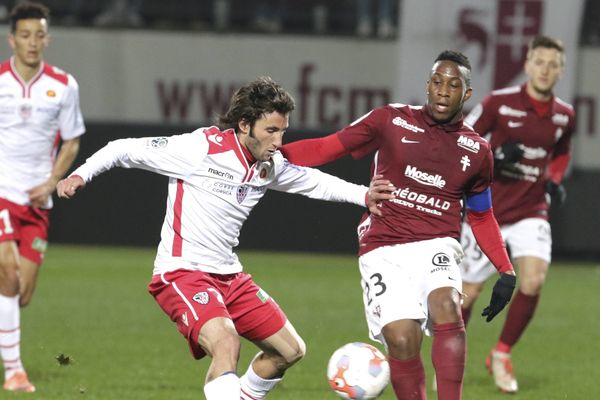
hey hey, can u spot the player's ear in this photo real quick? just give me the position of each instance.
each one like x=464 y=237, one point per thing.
x=243 y=126
x=468 y=94
x=11 y=41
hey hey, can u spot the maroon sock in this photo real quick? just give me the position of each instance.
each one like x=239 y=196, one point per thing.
x=520 y=312
x=466 y=314
x=448 y=354
x=408 y=378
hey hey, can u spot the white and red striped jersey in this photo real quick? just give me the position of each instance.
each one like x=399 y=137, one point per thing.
x=33 y=116
x=212 y=189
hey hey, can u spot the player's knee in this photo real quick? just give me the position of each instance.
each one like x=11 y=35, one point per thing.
x=224 y=346
x=292 y=355
x=9 y=278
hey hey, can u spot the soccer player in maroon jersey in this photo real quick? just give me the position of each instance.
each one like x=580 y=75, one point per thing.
x=409 y=256
x=529 y=130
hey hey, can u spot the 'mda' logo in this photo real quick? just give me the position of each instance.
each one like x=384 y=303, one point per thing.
x=424 y=178
x=468 y=144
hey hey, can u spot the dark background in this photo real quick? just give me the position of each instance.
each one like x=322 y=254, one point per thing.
x=126 y=207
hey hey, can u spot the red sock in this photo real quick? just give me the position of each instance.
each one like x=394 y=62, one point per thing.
x=466 y=314
x=520 y=312
x=448 y=354
x=408 y=378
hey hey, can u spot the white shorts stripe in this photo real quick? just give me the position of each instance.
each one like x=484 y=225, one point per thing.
x=185 y=300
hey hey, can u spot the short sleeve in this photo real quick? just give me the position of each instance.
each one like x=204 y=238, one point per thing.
x=70 y=120
x=361 y=137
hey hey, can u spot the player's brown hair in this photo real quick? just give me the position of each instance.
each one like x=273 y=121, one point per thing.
x=253 y=100
x=28 y=10
x=547 y=42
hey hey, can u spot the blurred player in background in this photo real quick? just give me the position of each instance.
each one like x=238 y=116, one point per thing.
x=216 y=177
x=409 y=257
x=529 y=130
x=39 y=107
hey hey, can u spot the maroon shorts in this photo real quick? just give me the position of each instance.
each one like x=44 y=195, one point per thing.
x=26 y=225
x=191 y=298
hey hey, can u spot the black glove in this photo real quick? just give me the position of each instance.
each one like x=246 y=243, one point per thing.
x=557 y=192
x=501 y=294
x=508 y=153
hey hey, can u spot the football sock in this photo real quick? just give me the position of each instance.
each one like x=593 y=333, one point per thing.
x=408 y=378
x=466 y=314
x=225 y=387
x=448 y=354
x=519 y=314
x=10 y=335
x=253 y=387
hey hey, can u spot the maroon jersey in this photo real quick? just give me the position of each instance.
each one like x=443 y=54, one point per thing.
x=432 y=166
x=508 y=115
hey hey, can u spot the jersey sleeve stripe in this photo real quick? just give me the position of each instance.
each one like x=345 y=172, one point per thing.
x=177 y=240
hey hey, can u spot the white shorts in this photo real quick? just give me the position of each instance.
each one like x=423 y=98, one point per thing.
x=528 y=237
x=397 y=280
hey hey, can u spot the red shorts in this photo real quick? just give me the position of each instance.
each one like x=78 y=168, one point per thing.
x=191 y=298
x=26 y=225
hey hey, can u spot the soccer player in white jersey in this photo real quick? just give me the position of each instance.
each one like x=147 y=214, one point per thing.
x=39 y=107
x=216 y=176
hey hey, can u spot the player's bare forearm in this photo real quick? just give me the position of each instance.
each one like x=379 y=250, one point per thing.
x=38 y=195
x=66 y=188
x=67 y=154
x=380 y=189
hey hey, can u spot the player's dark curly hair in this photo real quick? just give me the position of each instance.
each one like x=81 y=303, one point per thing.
x=28 y=10
x=458 y=58
x=252 y=101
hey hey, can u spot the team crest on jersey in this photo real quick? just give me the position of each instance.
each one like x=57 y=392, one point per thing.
x=468 y=144
x=159 y=143
x=51 y=93
x=201 y=297
x=25 y=111
x=241 y=193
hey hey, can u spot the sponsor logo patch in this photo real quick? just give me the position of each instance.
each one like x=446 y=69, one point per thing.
x=424 y=177
x=441 y=260
x=468 y=144
x=403 y=124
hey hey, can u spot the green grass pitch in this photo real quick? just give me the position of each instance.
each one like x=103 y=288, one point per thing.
x=91 y=309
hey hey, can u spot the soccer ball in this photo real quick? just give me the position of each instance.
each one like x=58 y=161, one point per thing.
x=358 y=371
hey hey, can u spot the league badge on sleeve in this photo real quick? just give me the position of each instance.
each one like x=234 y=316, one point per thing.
x=159 y=142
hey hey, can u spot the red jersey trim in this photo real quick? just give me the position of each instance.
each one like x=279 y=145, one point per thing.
x=177 y=209
x=62 y=77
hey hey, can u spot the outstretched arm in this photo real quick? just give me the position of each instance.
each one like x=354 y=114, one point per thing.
x=314 y=152
x=487 y=233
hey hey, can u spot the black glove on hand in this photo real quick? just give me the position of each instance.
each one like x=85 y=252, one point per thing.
x=501 y=294
x=508 y=153
x=557 y=192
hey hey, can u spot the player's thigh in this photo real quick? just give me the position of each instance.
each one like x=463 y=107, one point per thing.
x=475 y=267
x=190 y=299
x=530 y=237
x=9 y=268
x=33 y=240
x=397 y=280
x=531 y=272
x=254 y=312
